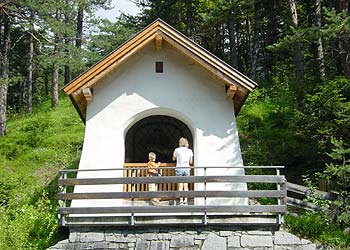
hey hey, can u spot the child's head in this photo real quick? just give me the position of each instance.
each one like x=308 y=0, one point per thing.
x=183 y=142
x=151 y=156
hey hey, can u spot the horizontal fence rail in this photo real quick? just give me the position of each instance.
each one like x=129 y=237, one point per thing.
x=296 y=195
x=208 y=202
x=173 y=179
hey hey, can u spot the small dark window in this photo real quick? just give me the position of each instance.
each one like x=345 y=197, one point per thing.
x=159 y=67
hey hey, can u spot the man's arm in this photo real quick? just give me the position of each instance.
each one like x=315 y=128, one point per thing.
x=191 y=160
x=174 y=155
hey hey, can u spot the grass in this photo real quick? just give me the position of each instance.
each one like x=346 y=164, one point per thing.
x=319 y=229
x=36 y=146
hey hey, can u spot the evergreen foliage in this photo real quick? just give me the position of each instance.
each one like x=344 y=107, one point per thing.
x=299 y=116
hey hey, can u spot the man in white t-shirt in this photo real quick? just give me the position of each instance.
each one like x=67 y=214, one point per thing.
x=184 y=157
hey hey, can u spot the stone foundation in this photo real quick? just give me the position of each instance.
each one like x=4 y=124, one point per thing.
x=181 y=239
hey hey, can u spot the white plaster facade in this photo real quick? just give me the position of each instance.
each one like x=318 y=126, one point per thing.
x=184 y=91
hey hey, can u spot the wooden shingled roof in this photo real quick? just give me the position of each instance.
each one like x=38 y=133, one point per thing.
x=238 y=86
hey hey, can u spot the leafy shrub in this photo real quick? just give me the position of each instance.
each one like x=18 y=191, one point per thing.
x=314 y=226
x=30 y=226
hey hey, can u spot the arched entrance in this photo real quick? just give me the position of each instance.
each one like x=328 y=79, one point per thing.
x=157 y=133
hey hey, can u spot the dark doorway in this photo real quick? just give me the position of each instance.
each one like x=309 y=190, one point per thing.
x=157 y=133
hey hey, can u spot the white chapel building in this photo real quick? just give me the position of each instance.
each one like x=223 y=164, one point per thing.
x=155 y=88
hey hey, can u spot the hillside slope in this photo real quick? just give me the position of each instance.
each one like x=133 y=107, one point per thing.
x=36 y=146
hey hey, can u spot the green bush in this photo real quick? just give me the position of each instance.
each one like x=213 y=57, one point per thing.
x=313 y=226
x=30 y=226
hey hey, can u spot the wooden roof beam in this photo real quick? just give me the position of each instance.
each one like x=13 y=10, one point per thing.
x=231 y=91
x=87 y=93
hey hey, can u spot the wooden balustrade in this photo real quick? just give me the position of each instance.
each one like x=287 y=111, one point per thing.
x=135 y=181
x=139 y=170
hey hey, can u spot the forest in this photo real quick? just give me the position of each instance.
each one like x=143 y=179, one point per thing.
x=299 y=115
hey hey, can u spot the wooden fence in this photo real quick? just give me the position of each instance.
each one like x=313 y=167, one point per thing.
x=137 y=211
x=140 y=170
x=296 y=195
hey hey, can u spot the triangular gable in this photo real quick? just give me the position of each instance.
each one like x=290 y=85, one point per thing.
x=238 y=85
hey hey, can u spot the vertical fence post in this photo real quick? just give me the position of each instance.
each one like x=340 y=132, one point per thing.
x=283 y=200
x=62 y=203
x=205 y=197
x=279 y=200
x=132 y=219
x=65 y=189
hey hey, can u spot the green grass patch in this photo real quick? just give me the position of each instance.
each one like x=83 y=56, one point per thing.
x=315 y=227
x=36 y=146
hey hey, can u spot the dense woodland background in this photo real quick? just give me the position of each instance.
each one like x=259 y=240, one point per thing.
x=299 y=116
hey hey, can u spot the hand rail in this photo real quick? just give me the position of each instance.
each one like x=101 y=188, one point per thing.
x=144 y=167
x=137 y=199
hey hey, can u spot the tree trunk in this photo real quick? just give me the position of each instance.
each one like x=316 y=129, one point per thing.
x=189 y=18
x=54 y=87
x=29 y=87
x=46 y=82
x=66 y=74
x=66 y=67
x=54 y=83
x=3 y=102
x=232 y=40
x=320 y=55
x=298 y=57
x=66 y=50
x=80 y=19
x=255 y=41
x=4 y=73
x=344 y=41
x=179 y=13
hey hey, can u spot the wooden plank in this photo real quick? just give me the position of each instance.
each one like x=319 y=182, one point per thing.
x=231 y=91
x=252 y=222
x=175 y=209
x=299 y=189
x=301 y=204
x=172 y=194
x=173 y=179
x=87 y=94
x=130 y=165
x=142 y=164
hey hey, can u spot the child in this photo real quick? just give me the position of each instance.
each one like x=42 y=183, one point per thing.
x=151 y=171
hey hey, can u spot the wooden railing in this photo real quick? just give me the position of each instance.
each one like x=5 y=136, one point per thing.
x=135 y=212
x=140 y=170
x=296 y=196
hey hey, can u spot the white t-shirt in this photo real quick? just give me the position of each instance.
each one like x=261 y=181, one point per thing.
x=183 y=156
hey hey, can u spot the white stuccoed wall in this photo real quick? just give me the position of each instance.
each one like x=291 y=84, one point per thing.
x=184 y=91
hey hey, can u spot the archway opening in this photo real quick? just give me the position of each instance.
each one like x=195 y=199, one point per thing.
x=156 y=133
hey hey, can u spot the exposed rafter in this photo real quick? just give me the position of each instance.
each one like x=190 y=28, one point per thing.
x=231 y=91
x=87 y=94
